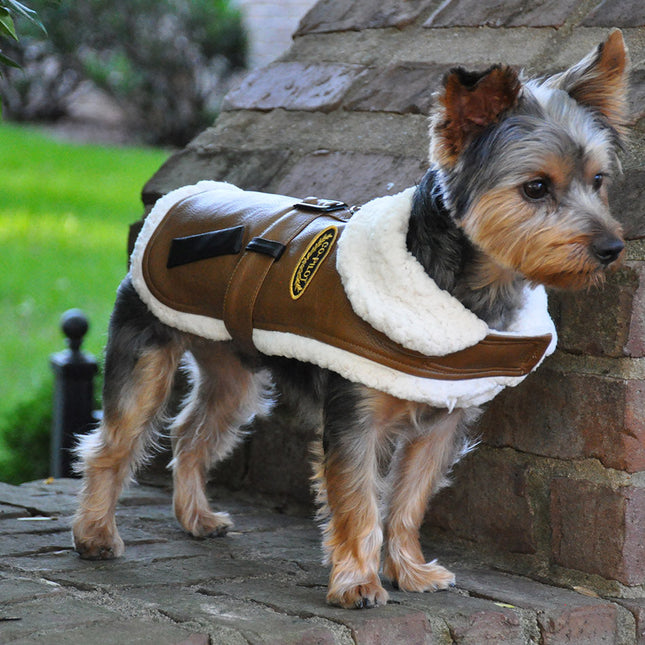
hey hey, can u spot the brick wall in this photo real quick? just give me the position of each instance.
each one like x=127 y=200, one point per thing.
x=557 y=489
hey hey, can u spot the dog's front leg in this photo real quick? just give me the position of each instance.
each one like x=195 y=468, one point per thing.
x=418 y=468
x=348 y=488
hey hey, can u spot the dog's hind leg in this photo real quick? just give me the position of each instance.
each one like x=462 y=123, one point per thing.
x=224 y=397
x=418 y=469
x=141 y=359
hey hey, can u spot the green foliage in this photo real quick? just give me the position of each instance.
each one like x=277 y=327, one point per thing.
x=165 y=61
x=64 y=216
x=24 y=453
x=9 y=9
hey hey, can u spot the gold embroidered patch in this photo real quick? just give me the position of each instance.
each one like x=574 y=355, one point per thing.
x=311 y=260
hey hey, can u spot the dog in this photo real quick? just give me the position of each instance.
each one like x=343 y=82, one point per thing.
x=515 y=196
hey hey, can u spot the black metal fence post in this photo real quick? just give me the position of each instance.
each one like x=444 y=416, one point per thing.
x=74 y=372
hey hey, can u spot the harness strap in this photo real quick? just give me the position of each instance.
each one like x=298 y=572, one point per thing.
x=257 y=259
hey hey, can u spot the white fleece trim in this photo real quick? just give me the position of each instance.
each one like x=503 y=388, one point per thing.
x=533 y=319
x=379 y=239
x=389 y=288
x=462 y=393
x=438 y=393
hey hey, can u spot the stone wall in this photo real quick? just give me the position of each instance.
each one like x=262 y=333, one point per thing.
x=557 y=488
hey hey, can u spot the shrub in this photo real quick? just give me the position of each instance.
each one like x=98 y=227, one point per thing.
x=166 y=62
x=26 y=441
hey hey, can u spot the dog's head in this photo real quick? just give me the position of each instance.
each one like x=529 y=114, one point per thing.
x=525 y=165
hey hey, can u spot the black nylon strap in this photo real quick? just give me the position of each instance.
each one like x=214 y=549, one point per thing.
x=185 y=250
x=268 y=247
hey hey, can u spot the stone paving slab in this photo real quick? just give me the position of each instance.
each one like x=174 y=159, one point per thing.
x=263 y=583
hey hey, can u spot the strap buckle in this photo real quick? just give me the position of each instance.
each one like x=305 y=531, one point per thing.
x=320 y=205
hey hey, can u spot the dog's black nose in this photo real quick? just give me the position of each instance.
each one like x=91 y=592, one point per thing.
x=607 y=249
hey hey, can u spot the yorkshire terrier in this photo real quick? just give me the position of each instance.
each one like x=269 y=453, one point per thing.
x=516 y=195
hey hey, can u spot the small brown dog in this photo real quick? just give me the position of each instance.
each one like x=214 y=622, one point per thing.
x=516 y=195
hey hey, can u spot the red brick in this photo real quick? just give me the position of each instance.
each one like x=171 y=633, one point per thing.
x=464 y=619
x=563 y=616
x=634 y=547
x=581 y=625
x=406 y=88
x=352 y=177
x=626 y=194
x=609 y=321
x=515 y=13
x=488 y=503
x=493 y=626
x=340 y=15
x=572 y=416
x=637 y=607
x=599 y=530
x=391 y=629
x=617 y=13
x=294 y=86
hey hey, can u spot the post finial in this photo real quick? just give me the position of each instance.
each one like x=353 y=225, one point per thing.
x=74 y=324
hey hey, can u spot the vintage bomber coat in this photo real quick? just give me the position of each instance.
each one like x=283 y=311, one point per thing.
x=308 y=279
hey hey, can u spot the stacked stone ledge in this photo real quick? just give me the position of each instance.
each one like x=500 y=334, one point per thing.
x=557 y=488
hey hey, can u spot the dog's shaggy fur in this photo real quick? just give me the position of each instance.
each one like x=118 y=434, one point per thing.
x=516 y=194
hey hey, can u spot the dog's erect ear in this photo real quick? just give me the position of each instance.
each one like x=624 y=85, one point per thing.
x=600 y=80
x=468 y=104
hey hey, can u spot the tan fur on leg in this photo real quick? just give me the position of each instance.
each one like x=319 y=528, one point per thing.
x=224 y=397
x=353 y=537
x=417 y=470
x=348 y=485
x=111 y=451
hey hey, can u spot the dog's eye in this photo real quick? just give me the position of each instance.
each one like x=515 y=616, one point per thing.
x=598 y=181
x=536 y=189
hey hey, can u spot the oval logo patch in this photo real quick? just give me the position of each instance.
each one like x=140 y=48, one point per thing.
x=311 y=260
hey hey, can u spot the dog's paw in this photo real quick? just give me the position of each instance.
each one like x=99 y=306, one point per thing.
x=206 y=524
x=103 y=546
x=411 y=576
x=359 y=596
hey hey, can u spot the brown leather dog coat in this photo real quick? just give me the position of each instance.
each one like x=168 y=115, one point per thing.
x=268 y=262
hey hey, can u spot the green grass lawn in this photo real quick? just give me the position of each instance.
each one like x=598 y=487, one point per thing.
x=64 y=216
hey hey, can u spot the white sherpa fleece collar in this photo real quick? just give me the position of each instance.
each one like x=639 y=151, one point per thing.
x=391 y=290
